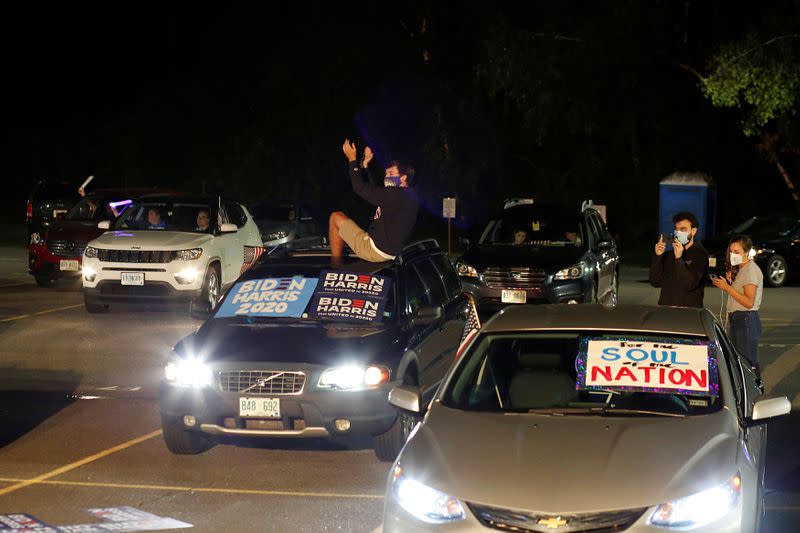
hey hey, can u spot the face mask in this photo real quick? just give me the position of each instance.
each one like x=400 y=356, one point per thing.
x=736 y=259
x=391 y=181
x=682 y=237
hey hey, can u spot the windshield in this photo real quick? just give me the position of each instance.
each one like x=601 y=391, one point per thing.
x=273 y=212
x=532 y=229
x=767 y=227
x=547 y=373
x=171 y=216
x=93 y=208
x=323 y=296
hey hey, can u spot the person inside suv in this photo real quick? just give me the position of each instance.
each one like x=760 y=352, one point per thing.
x=154 y=220
x=203 y=220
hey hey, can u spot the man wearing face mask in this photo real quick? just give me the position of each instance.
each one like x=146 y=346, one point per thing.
x=680 y=272
x=395 y=215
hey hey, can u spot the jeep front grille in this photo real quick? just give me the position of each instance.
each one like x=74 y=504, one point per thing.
x=135 y=256
x=262 y=381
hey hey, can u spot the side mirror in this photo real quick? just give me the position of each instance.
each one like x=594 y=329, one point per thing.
x=604 y=245
x=768 y=407
x=228 y=228
x=105 y=224
x=427 y=314
x=406 y=397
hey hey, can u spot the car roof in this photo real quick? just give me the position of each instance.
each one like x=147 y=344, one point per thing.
x=690 y=321
x=311 y=263
x=181 y=197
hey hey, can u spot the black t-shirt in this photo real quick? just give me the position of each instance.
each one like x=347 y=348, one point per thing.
x=682 y=281
x=396 y=213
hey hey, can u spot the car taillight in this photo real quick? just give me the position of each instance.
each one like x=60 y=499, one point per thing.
x=29 y=211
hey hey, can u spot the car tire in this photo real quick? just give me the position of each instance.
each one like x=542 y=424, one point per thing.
x=202 y=307
x=388 y=445
x=92 y=306
x=182 y=442
x=45 y=281
x=777 y=271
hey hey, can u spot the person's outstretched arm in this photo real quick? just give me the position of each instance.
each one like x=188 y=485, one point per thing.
x=359 y=178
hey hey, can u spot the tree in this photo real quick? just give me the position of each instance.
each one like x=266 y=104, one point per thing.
x=760 y=78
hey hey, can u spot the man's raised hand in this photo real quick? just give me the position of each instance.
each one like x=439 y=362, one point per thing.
x=367 y=156
x=660 y=245
x=349 y=149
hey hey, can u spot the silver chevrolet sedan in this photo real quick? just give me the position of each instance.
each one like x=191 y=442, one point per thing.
x=585 y=418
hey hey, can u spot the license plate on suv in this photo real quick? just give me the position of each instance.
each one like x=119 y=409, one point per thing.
x=69 y=264
x=132 y=278
x=513 y=297
x=259 y=407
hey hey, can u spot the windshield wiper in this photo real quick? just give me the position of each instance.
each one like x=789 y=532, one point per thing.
x=602 y=410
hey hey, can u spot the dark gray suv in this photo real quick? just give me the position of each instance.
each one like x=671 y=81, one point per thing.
x=289 y=370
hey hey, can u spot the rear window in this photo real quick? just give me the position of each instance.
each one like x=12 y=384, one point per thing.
x=586 y=373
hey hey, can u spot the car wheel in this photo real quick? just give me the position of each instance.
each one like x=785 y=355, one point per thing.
x=204 y=306
x=93 y=307
x=387 y=445
x=777 y=271
x=182 y=442
x=45 y=281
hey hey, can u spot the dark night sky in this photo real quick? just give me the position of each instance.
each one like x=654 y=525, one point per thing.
x=258 y=98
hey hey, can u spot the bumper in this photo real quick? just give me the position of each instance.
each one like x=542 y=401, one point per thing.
x=397 y=519
x=309 y=414
x=42 y=262
x=554 y=292
x=160 y=282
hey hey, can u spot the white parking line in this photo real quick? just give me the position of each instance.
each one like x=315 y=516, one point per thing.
x=785 y=364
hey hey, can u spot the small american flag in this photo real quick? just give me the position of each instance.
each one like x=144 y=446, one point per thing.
x=251 y=255
x=471 y=326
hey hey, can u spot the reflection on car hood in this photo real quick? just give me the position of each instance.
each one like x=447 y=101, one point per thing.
x=271 y=226
x=73 y=230
x=310 y=342
x=573 y=463
x=549 y=258
x=151 y=240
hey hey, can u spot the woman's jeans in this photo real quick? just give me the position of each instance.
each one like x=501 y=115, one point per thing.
x=744 y=329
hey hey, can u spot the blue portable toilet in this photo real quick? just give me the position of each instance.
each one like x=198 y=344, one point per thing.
x=688 y=191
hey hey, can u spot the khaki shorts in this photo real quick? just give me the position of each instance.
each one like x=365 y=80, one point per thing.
x=358 y=240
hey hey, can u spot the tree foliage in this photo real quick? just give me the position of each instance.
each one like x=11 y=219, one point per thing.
x=760 y=77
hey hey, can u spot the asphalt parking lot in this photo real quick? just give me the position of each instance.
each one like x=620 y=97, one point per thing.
x=80 y=427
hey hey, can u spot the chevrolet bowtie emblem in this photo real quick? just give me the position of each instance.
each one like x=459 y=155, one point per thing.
x=554 y=522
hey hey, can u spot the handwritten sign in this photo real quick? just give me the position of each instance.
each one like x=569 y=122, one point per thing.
x=350 y=296
x=667 y=367
x=272 y=297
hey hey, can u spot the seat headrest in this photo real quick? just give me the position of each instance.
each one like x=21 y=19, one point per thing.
x=551 y=361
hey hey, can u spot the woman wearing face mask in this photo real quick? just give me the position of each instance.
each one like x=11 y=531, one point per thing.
x=744 y=284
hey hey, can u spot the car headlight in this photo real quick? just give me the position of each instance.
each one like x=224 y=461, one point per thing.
x=189 y=372
x=188 y=255
x=90 y=252
x=467 y=270
x=699 y=509
x=423 y=502
x=36 y=238
x=350 y=377
x=573 y=272
x=277 y=235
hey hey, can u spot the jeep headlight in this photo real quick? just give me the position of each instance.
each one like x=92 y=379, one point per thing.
x=700 y=508
x=573 y=272
x=188 y=255
x=274 y=236
x=90 y=252
x=467 y=270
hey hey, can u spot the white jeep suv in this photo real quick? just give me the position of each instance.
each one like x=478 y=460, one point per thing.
x=170 y=248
